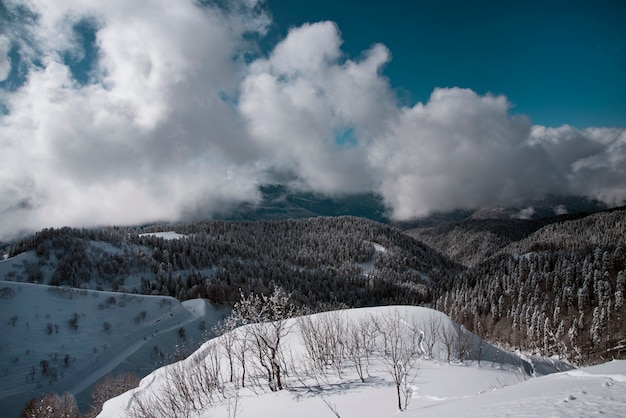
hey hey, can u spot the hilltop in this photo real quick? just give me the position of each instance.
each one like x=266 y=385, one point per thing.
x=408 y=347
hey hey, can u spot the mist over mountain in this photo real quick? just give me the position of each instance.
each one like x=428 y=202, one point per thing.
x=281 y=202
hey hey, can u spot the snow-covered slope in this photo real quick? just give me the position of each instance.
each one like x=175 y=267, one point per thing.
x=590 y=391
x=63 y=339
x=499 y=385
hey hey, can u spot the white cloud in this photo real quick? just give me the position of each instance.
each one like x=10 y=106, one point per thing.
x=5 y=61
x=601 y=174
x=149 y=139
x=561 y=210
x=462 y=150
x=458 y=150
x=526 y=213
x=592 y=160
x=306 y=94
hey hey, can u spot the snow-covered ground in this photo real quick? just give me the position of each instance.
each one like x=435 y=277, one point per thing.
x=18 y=267
x=590 y=391
x=499 y=386
x=165 y=235
x=64 y=339
x=368 y=266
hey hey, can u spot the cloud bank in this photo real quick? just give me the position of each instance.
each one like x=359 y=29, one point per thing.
x=180 y=113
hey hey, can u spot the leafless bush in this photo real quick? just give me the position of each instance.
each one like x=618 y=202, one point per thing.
x=233 y=405
x=463 y=342
x=267 y=318
x=449 y=339
x=110 y=387
x=314 y=344
x=225 y=331
x=51 y=406
x=332 y=407
x=431 y=334
x=361 y=342
x=400 y=353
x=186 y=387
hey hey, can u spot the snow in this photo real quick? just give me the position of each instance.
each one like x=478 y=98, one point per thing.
x=16 y=268
x=379 y=248
x=502 y=385
x=586 y=392
x=368 y=266
x=498 y=387
x=441 y=390
x=198 y=308
x=165 y=235
x=82 y=356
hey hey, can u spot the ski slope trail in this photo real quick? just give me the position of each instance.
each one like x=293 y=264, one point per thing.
x=81 y=381
x=63 y=339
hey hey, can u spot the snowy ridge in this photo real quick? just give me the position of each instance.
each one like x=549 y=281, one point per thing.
x=502 y=383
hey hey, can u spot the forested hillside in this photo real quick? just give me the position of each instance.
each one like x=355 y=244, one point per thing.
x=470 y=237
x=345 y=260
x=559 y=291
x=473 y=240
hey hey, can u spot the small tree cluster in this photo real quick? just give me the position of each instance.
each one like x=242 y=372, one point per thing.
x=52 y=406
x=110 y=387
x=73 y=322
x=333 y=343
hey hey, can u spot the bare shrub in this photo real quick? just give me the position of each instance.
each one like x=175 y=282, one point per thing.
x=267 y=320
x=140 y=317
x=186 y=387
x=51 y=406
x=73 y=322
x=431 y=334
x=400 y=353
x=110 y=387
x=448 y=339
x=361 y=342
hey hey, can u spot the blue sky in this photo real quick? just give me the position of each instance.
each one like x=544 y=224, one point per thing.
x=559 y=62
x=129 y=112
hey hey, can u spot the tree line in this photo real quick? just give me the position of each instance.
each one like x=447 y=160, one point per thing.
x=559 y=291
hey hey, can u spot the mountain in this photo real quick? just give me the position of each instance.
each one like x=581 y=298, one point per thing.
x=279 y=202
x=59 y=281
x=484 y=232
x=557 y=291
x=474 y=239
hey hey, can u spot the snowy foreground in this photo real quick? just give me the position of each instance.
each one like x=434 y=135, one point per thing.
x=503 y=384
